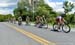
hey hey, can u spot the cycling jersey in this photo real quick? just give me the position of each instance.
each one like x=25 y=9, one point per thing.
x=59 y=19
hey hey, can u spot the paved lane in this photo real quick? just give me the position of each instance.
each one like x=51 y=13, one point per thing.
x=59 y=38
x=9 y=36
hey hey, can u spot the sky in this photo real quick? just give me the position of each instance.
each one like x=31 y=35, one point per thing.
x=58 y=4
x=7 y=6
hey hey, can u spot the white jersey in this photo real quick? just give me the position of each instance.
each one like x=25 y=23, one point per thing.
x=59 y=17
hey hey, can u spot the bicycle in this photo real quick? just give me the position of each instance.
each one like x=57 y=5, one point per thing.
x=19 y=23
x=64 y=27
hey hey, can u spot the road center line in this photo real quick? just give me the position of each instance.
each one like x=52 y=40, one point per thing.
x=36 y=38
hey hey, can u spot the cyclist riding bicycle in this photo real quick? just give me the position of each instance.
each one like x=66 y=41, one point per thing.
x=60 y=20
x=61 y=24
x=20 y=20
x=37 y=20
x=27 y=20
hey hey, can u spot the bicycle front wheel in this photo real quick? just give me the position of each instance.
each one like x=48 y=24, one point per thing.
x=66 y=28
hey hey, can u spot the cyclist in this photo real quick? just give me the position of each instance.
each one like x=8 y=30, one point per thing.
x=14 y=20
x=27 y=20
x=42 y=21
x=20 y=20
x=37 y=20
x=60 y=20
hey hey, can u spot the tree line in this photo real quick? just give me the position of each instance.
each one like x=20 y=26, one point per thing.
x=41 y=8
x=5 y=17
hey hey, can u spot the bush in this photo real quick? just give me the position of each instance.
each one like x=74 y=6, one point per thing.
x=4 y=17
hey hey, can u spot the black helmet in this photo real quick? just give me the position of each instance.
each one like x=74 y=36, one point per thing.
x=63 y=15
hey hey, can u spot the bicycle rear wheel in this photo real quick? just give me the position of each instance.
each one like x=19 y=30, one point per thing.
x=66 y=28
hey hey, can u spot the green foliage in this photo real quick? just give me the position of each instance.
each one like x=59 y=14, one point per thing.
x=5 y=17
x=40 y=8
x=70 y=18
x=45 y=9
x=68 y=6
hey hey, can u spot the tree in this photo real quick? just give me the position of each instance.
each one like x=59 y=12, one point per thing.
x=45 y=9
x=37 y=8
x=68 y=6
x=21 y=9
x=5 y=17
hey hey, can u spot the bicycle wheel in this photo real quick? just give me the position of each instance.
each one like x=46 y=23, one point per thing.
x=55 y=26
x=66 y=28
x=19 y=23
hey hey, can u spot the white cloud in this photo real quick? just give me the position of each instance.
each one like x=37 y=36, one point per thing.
x=7 y=1
x=46 y=1
x=4 y=1
x=7 y=4
x=57 y=6
x=59 y=10
x=6 y=11
x=71 y=0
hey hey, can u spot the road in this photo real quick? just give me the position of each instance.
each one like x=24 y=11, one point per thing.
x=10 y=36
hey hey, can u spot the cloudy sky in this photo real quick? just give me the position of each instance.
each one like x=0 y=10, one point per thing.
x=58 y=4
x=7 y=6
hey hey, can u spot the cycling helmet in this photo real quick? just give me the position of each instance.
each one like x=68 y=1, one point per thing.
x=62 y=15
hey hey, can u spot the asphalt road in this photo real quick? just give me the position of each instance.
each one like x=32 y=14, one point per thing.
x=9 y=36
x=59 y=38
